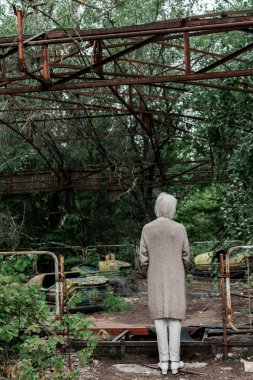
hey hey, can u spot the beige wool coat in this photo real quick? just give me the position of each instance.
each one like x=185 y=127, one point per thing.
x=164 y=252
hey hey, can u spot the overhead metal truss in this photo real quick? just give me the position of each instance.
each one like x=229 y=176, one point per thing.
x=78 y=74
x=103 y=177
x=96 y=50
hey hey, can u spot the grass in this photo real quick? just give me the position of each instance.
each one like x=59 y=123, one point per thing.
x=114 y=304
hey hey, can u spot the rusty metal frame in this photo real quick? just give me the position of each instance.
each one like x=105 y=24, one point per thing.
x=103 y=177
x=104 y=58
x=228 y=291
x=159 y=32
x=226 y=298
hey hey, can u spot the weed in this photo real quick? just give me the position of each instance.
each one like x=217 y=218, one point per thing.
x=115 y=304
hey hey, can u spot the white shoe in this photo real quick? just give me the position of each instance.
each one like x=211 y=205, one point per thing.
x=164 y=366
x=175 y=366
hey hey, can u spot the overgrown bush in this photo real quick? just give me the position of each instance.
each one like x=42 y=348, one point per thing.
x=115 y=304
x=32 y=343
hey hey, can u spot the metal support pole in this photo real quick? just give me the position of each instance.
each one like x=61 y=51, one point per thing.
x=3 y=65
x=46 y=68
x=187 y=59
x=20 y=41
x=98 y=56
x=130 y=96
x=224 y=310
x=228 y=290
x=62 y=286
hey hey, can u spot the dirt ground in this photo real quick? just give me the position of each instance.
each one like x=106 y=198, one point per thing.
x=204 y=308
x=134 y=368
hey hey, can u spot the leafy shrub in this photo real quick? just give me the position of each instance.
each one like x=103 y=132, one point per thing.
x=32 y=338
x=115 y=304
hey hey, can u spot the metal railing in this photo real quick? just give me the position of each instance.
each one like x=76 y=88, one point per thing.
x=226 y=296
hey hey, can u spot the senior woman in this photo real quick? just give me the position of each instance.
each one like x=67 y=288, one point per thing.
x=164 y=253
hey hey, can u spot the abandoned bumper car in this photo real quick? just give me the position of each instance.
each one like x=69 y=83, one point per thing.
x=207 y=264
x=87 y=285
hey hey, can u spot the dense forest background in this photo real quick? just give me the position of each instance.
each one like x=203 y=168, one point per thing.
x=221 y=132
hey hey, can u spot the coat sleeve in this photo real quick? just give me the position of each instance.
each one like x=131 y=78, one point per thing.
x=186 y=253
x=144 y=258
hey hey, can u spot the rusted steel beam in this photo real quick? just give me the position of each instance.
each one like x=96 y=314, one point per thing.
x=143 y=125
x=62 y=57
x=155 y=85
x=116 y=331
x=101 y=108
x=80 y=117
x=217 y=55
x=121 y=335
x=131 y=81
x=88 y=179
x=222 y=87
x=187 y=59
x=46 y=67
x=175 y=34
x=101 y=184
x=102 y=97
x=21 y=59
x=146 y=122
x=66 y=66
x=206 y=19
x=99 y=167
x=120 y=53
x=180 y=36
x=4 y=69
x=98 y=56
x=12 y=50
x=18 y=79
x=117 y=73
x=31 y=73
x=150 y=63
x=67 y=74
x=102 y=94
x=110 y=58
x=226 y=59
x=167 y=26
x=21 y=63
x=201 y=51
x=164 y=42
x=131 y=344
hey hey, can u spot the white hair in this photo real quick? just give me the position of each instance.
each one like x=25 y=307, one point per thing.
x=165 y=206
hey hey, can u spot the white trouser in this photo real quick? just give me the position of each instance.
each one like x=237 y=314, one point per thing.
x=171 y=350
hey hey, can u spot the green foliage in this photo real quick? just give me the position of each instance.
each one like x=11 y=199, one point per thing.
x=9 y=235
x=189 y=278
x=114 y=304
x=231 y=136
x=200 y=213
x=88 y=218
x=237 y=211
x=30 y=335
